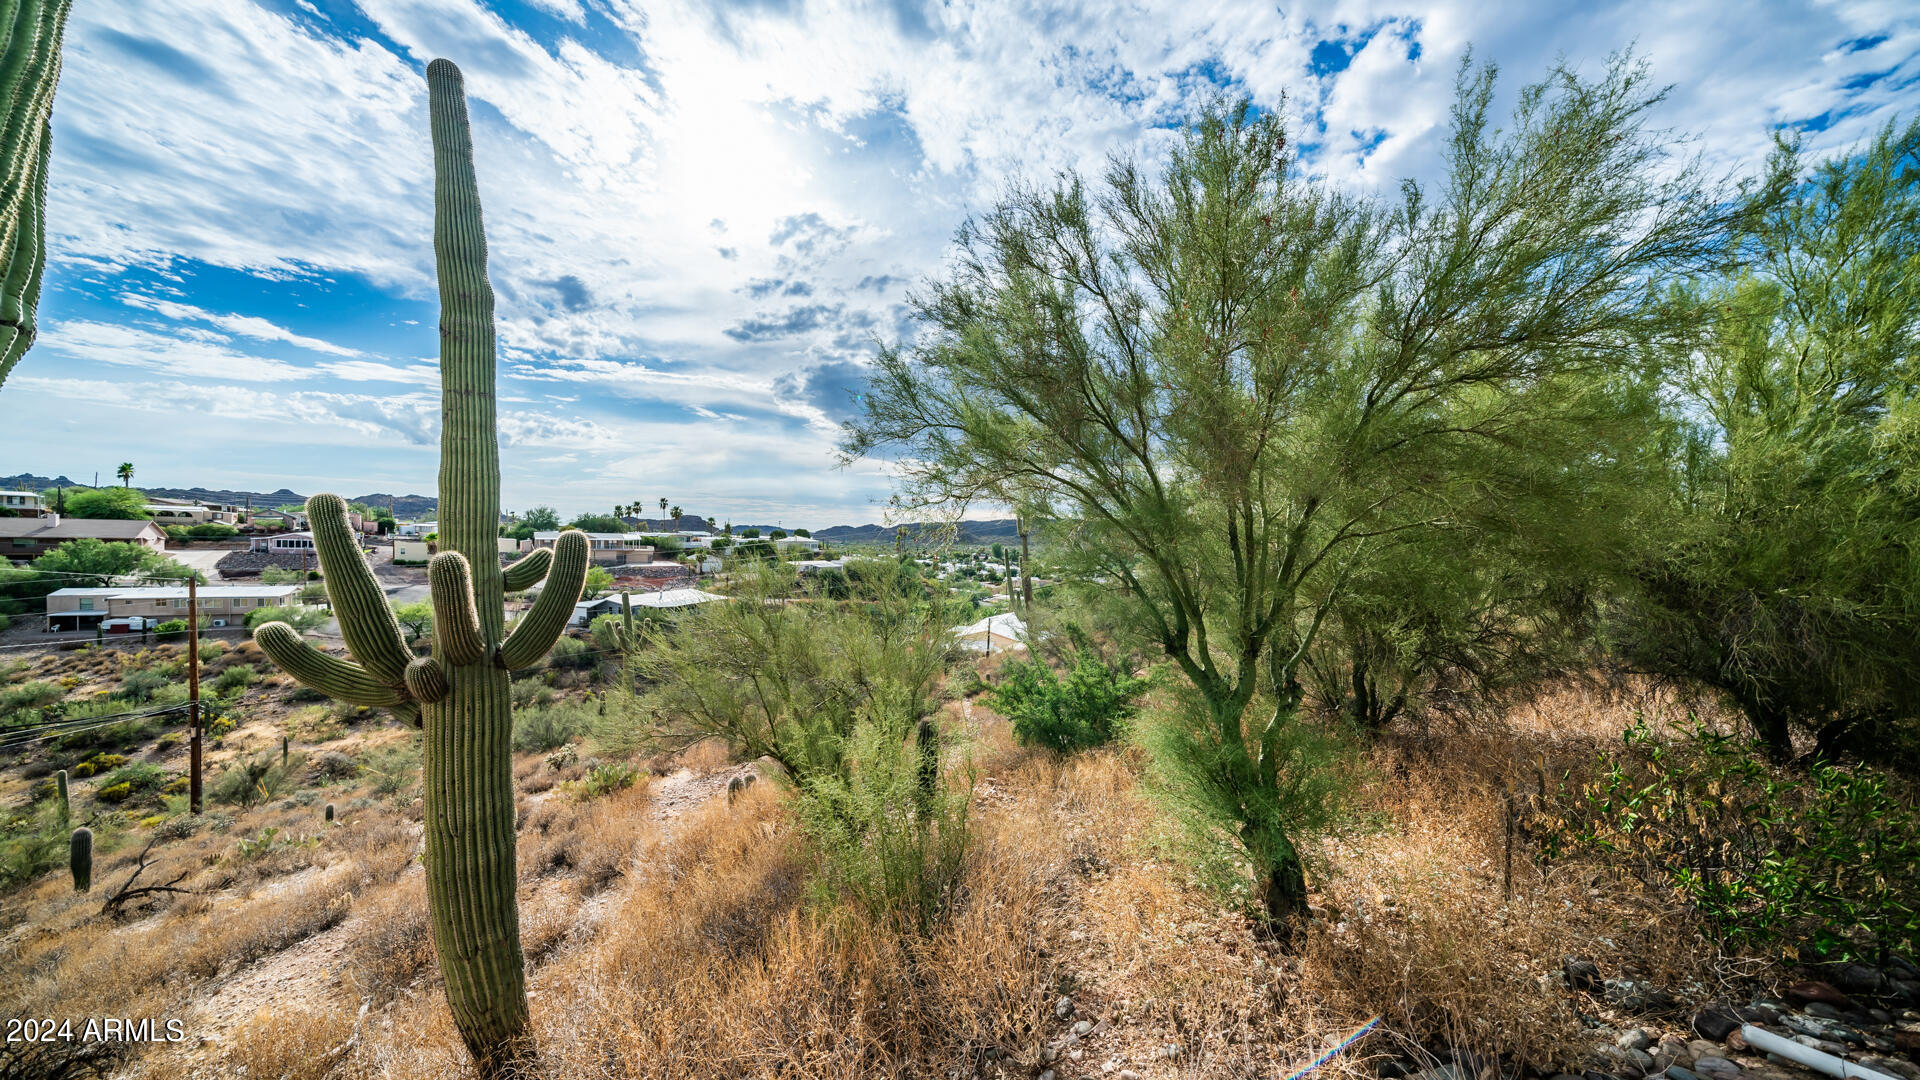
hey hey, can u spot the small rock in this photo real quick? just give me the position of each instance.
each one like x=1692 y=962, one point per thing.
x=1735 y=1041
x=1893 y=1066
x=1580 y=974
x=1803 y=1025
x=1634 y=1039
x=1760 y=1012
x=1076 y=1053
x=1676 y=1072
x=1047 y=1075
x=1063 y=1009
x=1628 y=994
x=1821 y=1045
x=1126 y=1074
x=1641 y=1061
x=1715 y=1068
x=1169 y=1051
x=1081 y=1027
x=1858 y=979
x=1563 y=1076
x=1907 y=990
x=1596 y=1074
x=1392 y=1069
x=1805 y=993
x=1699 y=1048
x=1907 y=1042
x=1048 y=1054
x=1880 y=1016
x=1714 y=1021
x=1824 y=1011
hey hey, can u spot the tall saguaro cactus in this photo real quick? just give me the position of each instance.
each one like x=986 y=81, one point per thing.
x=460 y=694
x=29 y=71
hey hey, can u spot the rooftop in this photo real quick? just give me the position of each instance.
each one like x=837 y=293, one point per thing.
x=179 y=592
x=75 y=528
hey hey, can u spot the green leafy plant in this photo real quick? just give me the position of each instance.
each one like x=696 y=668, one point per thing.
x=1823 y=862
x=1088 y=708
x=543 y=729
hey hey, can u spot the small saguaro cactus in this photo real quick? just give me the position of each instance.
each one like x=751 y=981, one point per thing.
x=926 y=739
x=30 y=32
x=80 y=858
x=66 y=806
x=283 y=751
x=329 y=813
x=460 y=695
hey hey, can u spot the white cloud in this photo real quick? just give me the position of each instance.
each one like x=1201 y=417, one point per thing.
x=613 y=174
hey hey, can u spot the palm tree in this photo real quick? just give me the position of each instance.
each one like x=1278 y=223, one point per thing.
x=676 y=518
x=663 y=506
x=125 y=472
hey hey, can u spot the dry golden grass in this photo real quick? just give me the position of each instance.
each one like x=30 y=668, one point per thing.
x=692 y=946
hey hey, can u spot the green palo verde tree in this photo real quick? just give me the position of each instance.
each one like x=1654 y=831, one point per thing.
x=1242 y=385
x=460 y=694
x=29 y=72
x=1786 y=571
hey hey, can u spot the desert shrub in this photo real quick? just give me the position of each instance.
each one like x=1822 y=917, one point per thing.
x=170 y=630
x=605 y=779
x=1825 y=861
x=235 y=679
x=334 y=765
x=99 y=762
x=394 y=768
x=530 y=692
x=570 y=654
x=142 y=685
x=139 y=778
x=300 y=617
x=267 y=842
x=30 y=695
x=888 y=831
x=538 y=730
x=114 y=793
x=250 y=780
x=1089 y=708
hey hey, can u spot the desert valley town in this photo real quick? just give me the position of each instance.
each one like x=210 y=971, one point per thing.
x=959 y=539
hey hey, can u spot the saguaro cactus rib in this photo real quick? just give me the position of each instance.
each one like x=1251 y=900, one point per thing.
x=456 y=622
x=30 y=35
x=339 y=679
x=372 y=633
x=540 y=627
x=528 y=570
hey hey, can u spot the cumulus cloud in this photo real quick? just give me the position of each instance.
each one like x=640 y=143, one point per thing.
x=700 y=214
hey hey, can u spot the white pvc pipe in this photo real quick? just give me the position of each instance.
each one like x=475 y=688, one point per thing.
x=1818 y=1060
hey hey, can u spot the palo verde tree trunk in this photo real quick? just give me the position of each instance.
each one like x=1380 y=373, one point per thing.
x=460 y=694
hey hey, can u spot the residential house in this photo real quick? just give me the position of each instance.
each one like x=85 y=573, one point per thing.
x=21 y=503
x=586 y=611
x=185 y=512
x=272 y=520
x=796 y=543
x=219 y=605
x=416 y=528
x=296 y=543
x=23 y=539
x=415 y=551
x=607 y=549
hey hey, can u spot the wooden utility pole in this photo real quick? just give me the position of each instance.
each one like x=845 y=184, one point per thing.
x=193 y=689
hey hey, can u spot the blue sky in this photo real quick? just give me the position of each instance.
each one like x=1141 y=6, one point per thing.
x=701 y=216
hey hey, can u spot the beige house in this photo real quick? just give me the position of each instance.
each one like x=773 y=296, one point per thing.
x=220 y=605
x=23 y=539
x=607 y=549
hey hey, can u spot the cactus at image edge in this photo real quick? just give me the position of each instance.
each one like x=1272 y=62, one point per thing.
x=80 y=858
x=66 y=806
x=460 y=694
x=29 y=72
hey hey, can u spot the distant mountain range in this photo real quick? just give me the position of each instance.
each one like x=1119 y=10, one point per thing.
x=405 y=507
x=424 y=507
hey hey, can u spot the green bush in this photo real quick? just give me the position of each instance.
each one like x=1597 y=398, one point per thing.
x=99 y=763
x=235 y=679
x=251 y=780
x=29 y=850
x=142 y=685
x=212 y=530
x=1818 y=864
x=170 y=630
x=139 y=778
x=888 y=831
x=605 y=779
x=539 y=730
x=570 y=654
x=1089 y=708
x=31 y=695
x=299 y=617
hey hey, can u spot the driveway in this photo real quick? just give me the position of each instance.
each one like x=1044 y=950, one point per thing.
x=201 y=559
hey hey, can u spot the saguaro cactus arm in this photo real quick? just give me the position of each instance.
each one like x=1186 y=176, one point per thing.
x=540 y=627
x=30 y=34
x=456 y=619
x=528 y=570
x=339 y=679
x=366 y=621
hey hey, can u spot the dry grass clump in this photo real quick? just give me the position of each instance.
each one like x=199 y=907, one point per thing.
x=714 y=965
x=393 y=944
x=290 y=1044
